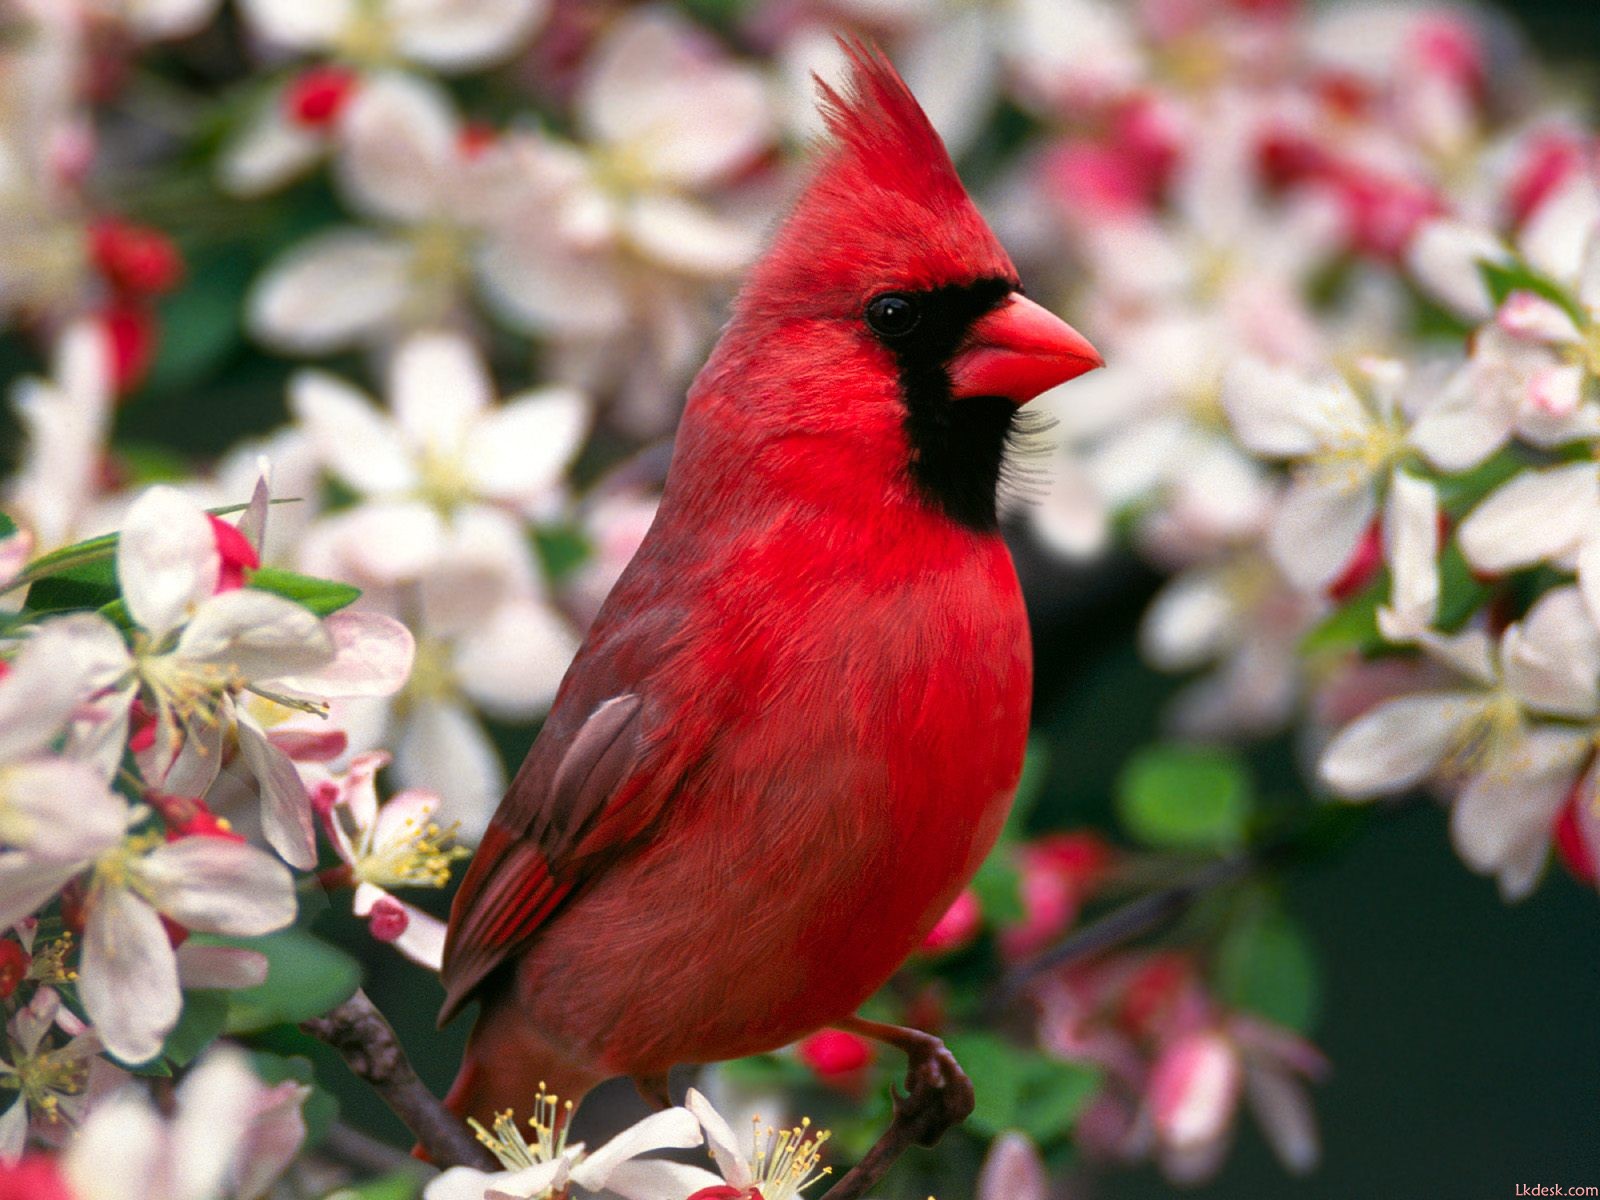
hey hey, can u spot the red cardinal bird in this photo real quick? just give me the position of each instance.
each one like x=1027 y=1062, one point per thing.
x=795 y=728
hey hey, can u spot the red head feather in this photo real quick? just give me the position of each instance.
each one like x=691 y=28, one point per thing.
x=885 y=208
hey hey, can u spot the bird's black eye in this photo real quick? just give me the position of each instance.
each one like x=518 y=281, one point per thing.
x=892 y=315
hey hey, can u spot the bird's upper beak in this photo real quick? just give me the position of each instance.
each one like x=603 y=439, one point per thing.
x=1018 y=351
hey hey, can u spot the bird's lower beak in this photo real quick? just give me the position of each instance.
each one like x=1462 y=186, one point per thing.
x=1018 y=351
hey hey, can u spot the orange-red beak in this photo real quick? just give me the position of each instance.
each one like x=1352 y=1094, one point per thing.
x=1018 y=351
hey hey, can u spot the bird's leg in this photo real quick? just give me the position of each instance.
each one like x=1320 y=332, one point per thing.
x=938 y=1095
x=654 y=1090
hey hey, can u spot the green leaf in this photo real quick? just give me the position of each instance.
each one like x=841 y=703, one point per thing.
x=998 y=887
x=1353 y=626
x=1054 y=1095
x=390 y=1187
x=1265 y=964
x=1504 y=278
x=1186 y=797
x=201 y=1023
x=1460 y=592
x=305 y=978
x=1035 y=770
x=997 y=1069
x=562 y=549
x=89 y=584
x=7 y=526
x=321 y=596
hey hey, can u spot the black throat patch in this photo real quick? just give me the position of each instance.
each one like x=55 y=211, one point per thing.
x=957 y=446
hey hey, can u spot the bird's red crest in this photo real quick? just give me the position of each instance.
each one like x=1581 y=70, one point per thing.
x=884 y=209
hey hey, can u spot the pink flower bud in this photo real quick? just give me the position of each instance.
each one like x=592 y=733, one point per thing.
x=238 y=555
x=316 y=98
x=1194 y=1089
x=835 y=1056
x=388 y=919
x=957 y=927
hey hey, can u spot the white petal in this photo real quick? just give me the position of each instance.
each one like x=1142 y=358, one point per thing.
x=372 y=656
x=352 y=436
x=422 y=940
x=1511 y=806
x=688 y=237
x=259 y=635
x=1551 y=658
x=59 y=810
x=674 y=1129
x=459 y=35
x=129 y=978
x=39 y=693
x=653 y=1178
x=657 y=88
x=720 y=1140
x=28 y=883
x=1394 y=746
x=1012 y=1170
x=443 y=749
x=401 y=816
x=219 y=967
x=1589 y=575
x=1411 y=545
x=439 y=387
x=512 y=664
x=1317 y=528
x=1465 y=425
x=285 y=807
x=167 y=560
x=268 y=152
x=118 y=1153
x=385 y=542
x=215 y=885
x=519 y=451
x=299 y=24
x=13 y=1131
x=215 y=1104
x=398 y=145
x=1445 y=256
x=1189 y=622
x=331 y=291
x=1284 y=1113
x=1530 y=316
x=1280 y=414
x=460 y=1183
x=1539 y=515
x=1558 y=233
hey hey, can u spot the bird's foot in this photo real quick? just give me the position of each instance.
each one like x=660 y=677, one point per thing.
x=938 y=1094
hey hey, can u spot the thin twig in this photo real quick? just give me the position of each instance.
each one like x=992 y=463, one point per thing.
x=1123 y=925
x=368 y=1045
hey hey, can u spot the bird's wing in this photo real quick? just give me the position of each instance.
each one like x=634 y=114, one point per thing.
x=569 y=811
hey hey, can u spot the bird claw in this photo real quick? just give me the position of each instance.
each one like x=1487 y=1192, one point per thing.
x=938 y=1094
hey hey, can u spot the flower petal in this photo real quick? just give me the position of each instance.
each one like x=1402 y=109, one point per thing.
x=1446 y=257
x=129 y=978
x=1395 y=745
x=214 y=885
x=258 y=635
x=519 y=451
x=359 y=445
x=1551 y=658
x=720 y=1140
x=1317 y=528
x=398 y=144
x=225 y=968
x=167 y=560
x=330 y=291
x=372 y=656
x=512 y=664
x=443 y=749
x=285 y=806
x=216 y=1101
x=1537 y=516
x=673 y=1129
x=459 y=35
x=439 y=388
x=1411 y=546
x=1505 y=811
x=1280 y=414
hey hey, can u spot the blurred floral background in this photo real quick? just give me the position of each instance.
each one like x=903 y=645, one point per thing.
x=367 y=322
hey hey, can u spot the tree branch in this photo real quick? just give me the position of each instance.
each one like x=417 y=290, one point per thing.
x=367 y=1043
x=1122 y=925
